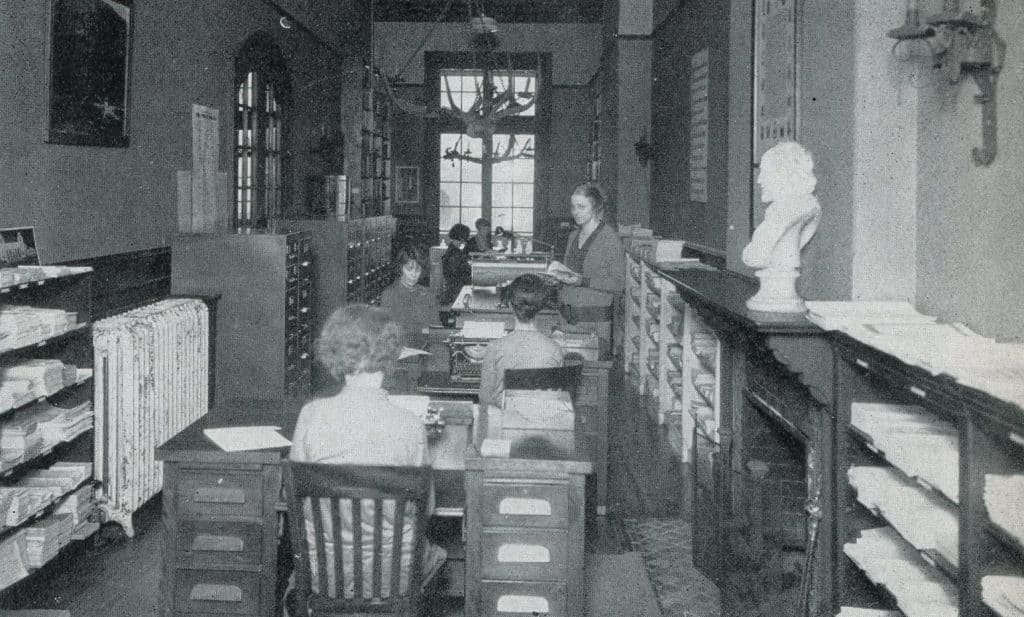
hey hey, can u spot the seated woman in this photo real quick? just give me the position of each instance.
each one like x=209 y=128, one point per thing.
x=524 y=347
x=410 y=304
x=455 y=264
x=482 y=241
x=359 y=426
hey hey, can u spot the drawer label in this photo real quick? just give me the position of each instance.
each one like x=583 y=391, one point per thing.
x=523 y=553
x=209 y=542
x=524 y=506
x=205 y=592
x=523 y=604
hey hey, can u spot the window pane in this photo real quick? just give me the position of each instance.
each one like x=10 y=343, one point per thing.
x=522 y=196
x=501 y=194
x=449 y=216
x=471 y=195
x=449 y=170
x=471 y=172
x=502 y=172
x=449 y=195
x=501 y=217
x=469 y=217
x=522 y=221
x=523 y=169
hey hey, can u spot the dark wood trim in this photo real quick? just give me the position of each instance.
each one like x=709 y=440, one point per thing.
x=124 y=281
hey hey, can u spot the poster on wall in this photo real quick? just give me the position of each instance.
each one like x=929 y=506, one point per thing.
x=18 y=247
x=776 y=86
x=90 y=65
x=205 y=163
x=699 y=126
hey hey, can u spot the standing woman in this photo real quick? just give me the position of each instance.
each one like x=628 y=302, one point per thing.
x=595 y=264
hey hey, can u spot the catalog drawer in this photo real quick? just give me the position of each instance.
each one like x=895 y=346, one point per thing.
x=213 y=493
x=217 y=543
x=524 y=504
x=505 y=599
x=218 y=592
x=524 y=554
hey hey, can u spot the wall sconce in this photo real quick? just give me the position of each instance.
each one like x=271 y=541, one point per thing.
x=959 y=44
x=644 y=149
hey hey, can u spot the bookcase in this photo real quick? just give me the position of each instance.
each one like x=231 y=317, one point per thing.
x=369 y=269
x=45 y=315
x=375 y=147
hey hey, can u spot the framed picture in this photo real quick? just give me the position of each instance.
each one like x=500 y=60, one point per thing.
x=776 y=82
x=18 y=247
x=407 y=185
x=90 y=66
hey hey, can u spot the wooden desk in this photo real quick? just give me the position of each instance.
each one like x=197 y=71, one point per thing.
x=220 y=512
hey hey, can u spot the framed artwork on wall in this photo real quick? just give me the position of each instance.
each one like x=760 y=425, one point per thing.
x=89 y=70
x=407 y=185
x=776 y=82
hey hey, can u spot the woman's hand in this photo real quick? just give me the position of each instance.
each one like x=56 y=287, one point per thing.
x=563 y=274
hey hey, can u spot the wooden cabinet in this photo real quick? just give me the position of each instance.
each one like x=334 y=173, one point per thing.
x=45 y=316
x=220 y=519
x=264 y=316
x=524 y=537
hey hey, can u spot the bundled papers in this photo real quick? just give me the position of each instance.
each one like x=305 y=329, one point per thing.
x=58 y=424
x=922 y=519
x=44 y=539
x=24 y=502
x=921 y=445
x=46 y=376
x=889 y=561
x=1004 y=499
x=1004 y=594
x=15 y=393
x=21 y=326
x=13 y=559
x=61 y=477
x=78 y=505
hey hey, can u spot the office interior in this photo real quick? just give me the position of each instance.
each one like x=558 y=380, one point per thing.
x=911 y=111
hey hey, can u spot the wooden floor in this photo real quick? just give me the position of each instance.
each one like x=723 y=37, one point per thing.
x=111 y=576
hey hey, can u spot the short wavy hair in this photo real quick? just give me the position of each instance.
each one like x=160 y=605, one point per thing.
x=358 y=338
x=596 y=195
x=528 y=295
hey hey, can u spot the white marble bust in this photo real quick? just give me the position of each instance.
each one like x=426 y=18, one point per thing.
x=787 y=184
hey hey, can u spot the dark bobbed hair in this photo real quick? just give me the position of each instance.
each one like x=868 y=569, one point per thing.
x=528 y=294
x=358 y=338
x=597 y=196
x=459 y=232
x=481 y=221
x=409 y=252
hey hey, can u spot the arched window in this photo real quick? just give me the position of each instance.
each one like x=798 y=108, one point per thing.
x=262 y=99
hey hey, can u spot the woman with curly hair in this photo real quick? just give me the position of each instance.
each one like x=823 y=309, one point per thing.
x=359 y=425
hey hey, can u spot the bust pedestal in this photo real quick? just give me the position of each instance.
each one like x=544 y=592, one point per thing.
x=777 y=292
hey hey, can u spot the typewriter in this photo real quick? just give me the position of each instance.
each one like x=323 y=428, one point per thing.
x=465 y=357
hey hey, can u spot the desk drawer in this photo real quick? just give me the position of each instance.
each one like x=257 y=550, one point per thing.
x=212 y=591
x=501 y=599
x=213 y=543
x=523 y=504
x=213 y=493
x=531 y=555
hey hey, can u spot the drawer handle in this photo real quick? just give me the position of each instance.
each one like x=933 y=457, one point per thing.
x=523 y=604
x=305 y=264
x=206 y=592
x=523 y=553
x=225 y=544
x=524 y=506
x=213 y=494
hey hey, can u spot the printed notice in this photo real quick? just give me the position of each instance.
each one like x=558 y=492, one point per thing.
x=205 y=161
x=699 y=126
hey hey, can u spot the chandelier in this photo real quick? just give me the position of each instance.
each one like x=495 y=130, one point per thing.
x=496 y=96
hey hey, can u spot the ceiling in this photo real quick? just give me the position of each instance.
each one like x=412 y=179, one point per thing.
x=505 y=11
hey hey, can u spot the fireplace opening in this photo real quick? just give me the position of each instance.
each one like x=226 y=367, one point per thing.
x=767 y=538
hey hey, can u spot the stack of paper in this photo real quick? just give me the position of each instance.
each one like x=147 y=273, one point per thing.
x=24 y=502
x=45 y=539
x=13 y=559
x=61 y=477
x=1004 y=499
x=1004 y=594
x=26 y=325
x=20 y=435
x=57 y=424
x=921 y=445
x=840 y=315
x=924 y=520
x=46 y=376
x=78 y=505
x=15 y=393
x=889 y=561
x=238 y=438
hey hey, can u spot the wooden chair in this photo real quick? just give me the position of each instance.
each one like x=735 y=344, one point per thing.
x=378 y=569
x=565 y=378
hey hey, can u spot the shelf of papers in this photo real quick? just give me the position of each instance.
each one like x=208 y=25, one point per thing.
x=43 y=310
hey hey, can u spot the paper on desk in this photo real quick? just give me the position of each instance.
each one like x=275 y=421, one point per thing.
x=413 y=402
x=496 y=447
x=239 y=438
x=557 y=266
x=483 y=329
x=408 y=352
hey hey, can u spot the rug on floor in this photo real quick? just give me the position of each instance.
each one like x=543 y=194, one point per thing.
x=667 y=548
x=618 y=587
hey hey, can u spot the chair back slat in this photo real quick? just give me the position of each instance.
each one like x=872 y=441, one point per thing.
x=324 y=501
x=378 y=554
x=565 y=378
x=339 y=549
x=357 y=547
